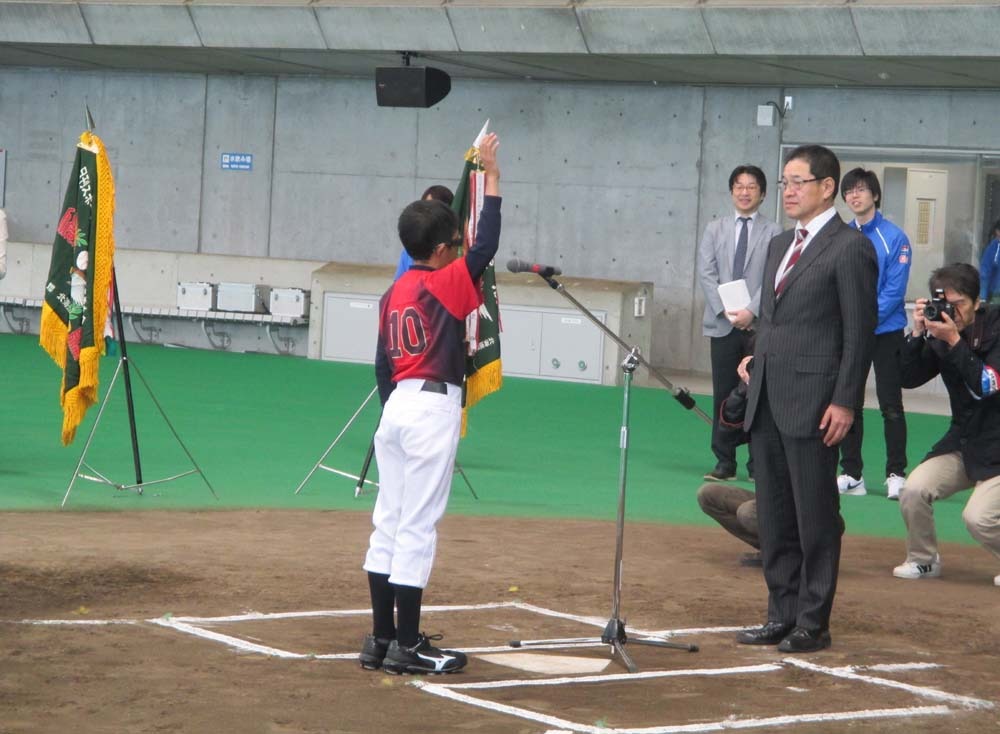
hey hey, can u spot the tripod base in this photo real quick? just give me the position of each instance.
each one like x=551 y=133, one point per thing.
x=614 y=635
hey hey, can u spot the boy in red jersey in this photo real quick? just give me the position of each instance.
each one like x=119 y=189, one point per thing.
x=420 y=366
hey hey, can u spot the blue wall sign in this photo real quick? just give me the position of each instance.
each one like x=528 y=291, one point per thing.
x=237 y=162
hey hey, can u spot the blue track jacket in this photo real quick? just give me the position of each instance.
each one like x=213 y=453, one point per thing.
x=892 y=248
x=989 y=271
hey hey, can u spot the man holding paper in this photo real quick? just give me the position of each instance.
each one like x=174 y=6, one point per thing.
x=730 y=268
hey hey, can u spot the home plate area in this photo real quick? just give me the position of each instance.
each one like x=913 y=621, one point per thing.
x=566 y=681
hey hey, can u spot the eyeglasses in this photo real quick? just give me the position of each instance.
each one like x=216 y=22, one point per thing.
x=795 y=184
x=749 y=188
x=857 y=190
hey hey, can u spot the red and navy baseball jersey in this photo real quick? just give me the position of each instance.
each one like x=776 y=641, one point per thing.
x=422 y=322
x=422 y=316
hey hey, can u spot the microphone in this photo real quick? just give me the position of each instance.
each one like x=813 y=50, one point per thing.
x=515 y=265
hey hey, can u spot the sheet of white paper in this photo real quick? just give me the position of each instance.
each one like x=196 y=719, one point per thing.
x=734 y=295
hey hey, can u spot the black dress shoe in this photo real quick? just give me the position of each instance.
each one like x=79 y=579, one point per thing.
x=802 y=640
x=721 y=474
x=770 y=634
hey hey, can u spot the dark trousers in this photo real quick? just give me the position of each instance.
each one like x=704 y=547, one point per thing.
x=798 y=516
x=726 y=352
x=889 y=390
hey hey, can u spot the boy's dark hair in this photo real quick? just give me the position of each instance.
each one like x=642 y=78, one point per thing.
x=438 y=193
x=822 y=162
x=751 y=170
x=425 y=224
x=868 y=179
x=959 y=277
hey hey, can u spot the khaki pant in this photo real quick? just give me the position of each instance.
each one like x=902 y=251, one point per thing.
x=939 y=478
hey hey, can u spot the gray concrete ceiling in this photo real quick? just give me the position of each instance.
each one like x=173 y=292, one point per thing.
x=874 y=43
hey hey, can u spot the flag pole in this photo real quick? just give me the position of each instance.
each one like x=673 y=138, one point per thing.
x=128 y=382
x=121 y=340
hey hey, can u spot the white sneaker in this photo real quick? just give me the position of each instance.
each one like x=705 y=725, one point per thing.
x=913 y=570
x=894 y=483
x=849 y=485
x=996 y=580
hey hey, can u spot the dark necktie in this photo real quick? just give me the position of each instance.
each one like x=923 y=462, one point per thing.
x=741 y=249
x=800 y=238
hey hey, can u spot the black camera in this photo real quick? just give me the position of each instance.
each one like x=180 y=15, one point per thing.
x=938 y=306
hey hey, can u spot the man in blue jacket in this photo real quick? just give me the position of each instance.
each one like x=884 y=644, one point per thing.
x=861 y=191
x=989 y=268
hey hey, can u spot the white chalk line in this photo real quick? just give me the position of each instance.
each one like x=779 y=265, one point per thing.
x=188 y=625
x=481 y=650
x=446 y=691
x=611 y=677
x=894 y=667
x=934 y=694
x=255 y=616
x=235 y=642
x=78 y=622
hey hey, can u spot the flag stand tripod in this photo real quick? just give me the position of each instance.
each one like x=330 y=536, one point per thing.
x=124 y=365
x=320 y=465
x=361 y=479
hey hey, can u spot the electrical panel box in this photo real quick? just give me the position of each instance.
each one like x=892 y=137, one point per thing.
x=196 y=296
x=350 y=327
x=292 y=302
x=243 y=297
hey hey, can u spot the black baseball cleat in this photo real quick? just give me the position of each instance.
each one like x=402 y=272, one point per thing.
x=422 y=658
x=373 y=652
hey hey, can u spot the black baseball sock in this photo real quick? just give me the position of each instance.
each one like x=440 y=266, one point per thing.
x=408 y=614
x=383 y=600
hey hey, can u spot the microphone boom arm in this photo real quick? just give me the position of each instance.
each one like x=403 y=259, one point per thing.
x=681 y=395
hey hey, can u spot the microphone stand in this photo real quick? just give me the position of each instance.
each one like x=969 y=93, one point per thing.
x=614 y=631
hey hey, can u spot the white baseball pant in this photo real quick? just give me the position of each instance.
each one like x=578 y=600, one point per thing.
x=415 y=447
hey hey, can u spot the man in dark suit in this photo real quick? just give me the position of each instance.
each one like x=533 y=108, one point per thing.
x=814 y=348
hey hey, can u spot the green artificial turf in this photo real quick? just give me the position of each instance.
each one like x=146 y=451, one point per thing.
x=257 y=424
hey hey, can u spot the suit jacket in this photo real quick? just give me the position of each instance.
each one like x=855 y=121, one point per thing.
x=715 y=265
x=815 y=343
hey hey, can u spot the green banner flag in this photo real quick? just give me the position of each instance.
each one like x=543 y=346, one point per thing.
x=76 y=307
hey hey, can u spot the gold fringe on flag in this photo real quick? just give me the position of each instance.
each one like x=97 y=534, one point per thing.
x=486 y=380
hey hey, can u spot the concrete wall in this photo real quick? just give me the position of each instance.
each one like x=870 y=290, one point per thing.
x=605 y=180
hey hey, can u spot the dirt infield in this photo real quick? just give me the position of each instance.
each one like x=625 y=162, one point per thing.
x=907 y=656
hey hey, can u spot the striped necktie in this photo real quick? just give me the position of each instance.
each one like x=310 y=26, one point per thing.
x=739 y=261
x=800 y=238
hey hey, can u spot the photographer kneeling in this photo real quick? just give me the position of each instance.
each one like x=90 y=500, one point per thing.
x=958 y=337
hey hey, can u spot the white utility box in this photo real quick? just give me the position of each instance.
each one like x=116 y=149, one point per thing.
x=292 y=302
x=196 y=296
x=244 y=297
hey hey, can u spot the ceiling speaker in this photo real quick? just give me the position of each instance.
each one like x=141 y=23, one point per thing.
x=410 y=86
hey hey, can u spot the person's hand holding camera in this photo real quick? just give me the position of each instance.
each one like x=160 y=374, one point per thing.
x=944 y=330
x=936 y=317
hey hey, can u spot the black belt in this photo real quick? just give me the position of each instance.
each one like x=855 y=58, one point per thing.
x=441 y=388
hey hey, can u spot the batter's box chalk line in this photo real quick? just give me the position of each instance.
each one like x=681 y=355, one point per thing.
x=456 y=692
x=942 y=702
